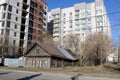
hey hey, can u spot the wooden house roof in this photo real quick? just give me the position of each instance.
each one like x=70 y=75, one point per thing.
x=46 y=50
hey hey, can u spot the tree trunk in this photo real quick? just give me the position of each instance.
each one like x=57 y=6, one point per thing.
x=2 y=61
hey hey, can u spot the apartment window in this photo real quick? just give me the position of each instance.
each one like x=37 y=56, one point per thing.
x=76 y=10
x=17 y=11
x=45 y=7
x=14 y=42
x=36 y=5
x=32 y=4
x=9 y=16
x=82 y=34
x=45 y=13
x=99 y=9
x=13 y=50
x=83 y=28
x=29 y=37
x=99 y=18
x=4 y=7
x=16 y=18
x=25 y=1
x=10 y=8
x=99 y=23
x=40 y=7
x=17 y=4
x=40 y=13
x=31 y=10
x=15 y=26
x=1 y=40
x=44 y=24
x=83 y=11
x=89 y=19
x=70 y=13
x=3 y=24
x=35 y=11
x=2 y=31
x=3 y=15
x=70 y=26
x=64 y=15
x=49 y=17
x=14 y=34
x=8 y=23
x=7 y=32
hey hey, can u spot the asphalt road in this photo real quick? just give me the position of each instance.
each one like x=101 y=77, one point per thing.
x=26 y=75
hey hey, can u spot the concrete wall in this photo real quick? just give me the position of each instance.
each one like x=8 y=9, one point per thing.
x=13 y=62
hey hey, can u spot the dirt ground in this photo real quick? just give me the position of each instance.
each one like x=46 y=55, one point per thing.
x=106 y=70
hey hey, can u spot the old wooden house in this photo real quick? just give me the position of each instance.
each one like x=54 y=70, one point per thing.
x=44 y=56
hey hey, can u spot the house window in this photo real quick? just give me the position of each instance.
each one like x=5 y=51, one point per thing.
x=37 y=51
x=10 y=8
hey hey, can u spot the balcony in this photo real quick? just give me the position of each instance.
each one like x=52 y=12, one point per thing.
x=25 y=6
x=24 y=12
x=3 y=2
x=55 y=34
x=56 y=25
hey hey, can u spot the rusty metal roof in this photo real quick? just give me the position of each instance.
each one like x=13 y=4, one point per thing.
x=66 y=53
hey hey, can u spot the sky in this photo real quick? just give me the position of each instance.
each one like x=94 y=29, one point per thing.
x=112 y=7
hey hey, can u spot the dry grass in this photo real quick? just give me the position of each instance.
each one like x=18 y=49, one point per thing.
x=90 y=71
x=112 y=65
x=86 y=69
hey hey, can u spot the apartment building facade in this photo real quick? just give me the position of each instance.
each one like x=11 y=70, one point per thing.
x=81 y=19
x=21 y=24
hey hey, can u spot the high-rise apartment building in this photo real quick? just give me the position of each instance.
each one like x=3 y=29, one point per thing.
x=21 y=24
x=81 y=19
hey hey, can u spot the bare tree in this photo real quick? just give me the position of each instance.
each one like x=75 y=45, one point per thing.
x=118 y=54
x=73 y=42
x=47 y=38
x=7 y=49
x=4 y=45
x=95 y=49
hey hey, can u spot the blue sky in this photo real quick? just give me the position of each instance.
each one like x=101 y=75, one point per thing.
x=112 y=6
